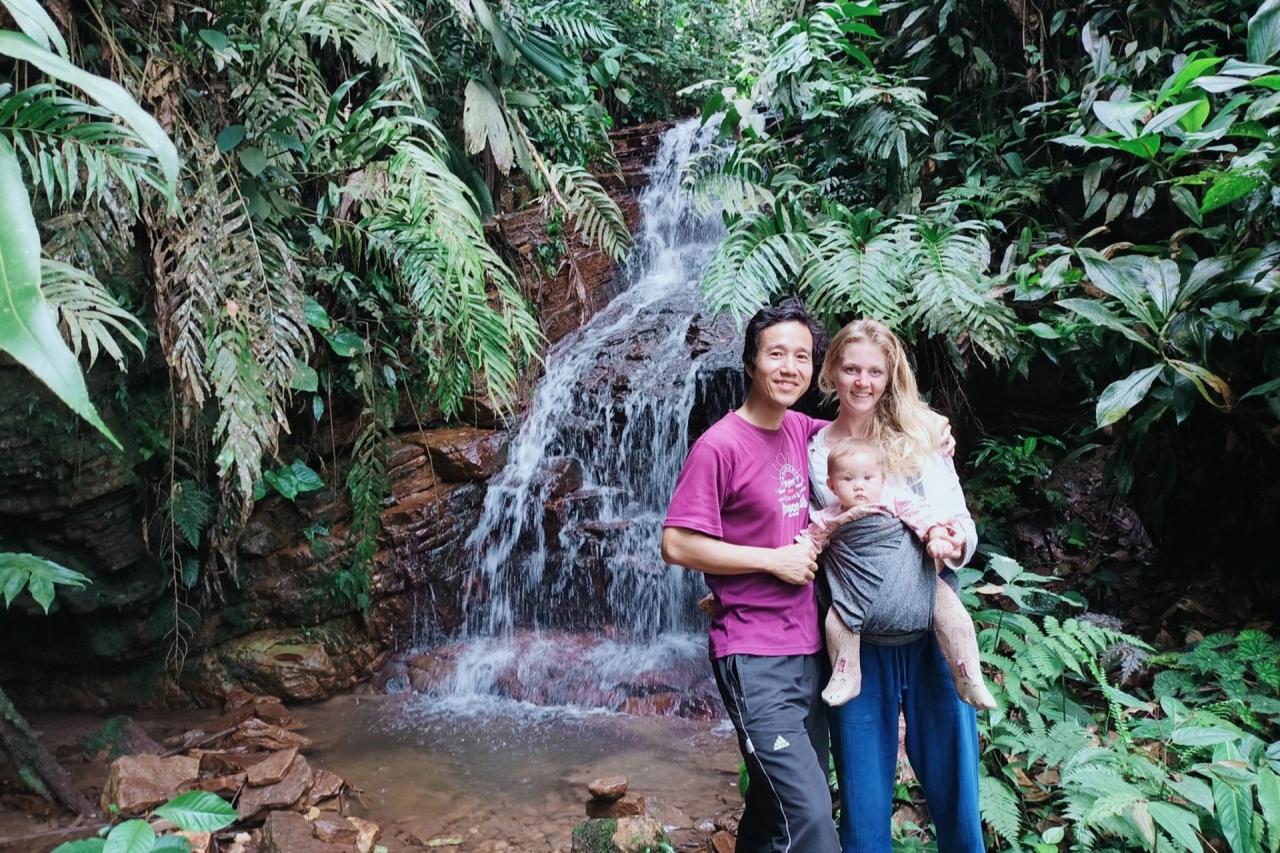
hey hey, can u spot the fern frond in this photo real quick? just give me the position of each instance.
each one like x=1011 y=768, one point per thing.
x=576 y=25
x=736 y=181
x=1000 y=809
x=73 y=151
x=887 y=118
x=191 y=508
x=854 y=270
x=592 y=213
x=424 y=229
x=89 y=316
x=952 y=293
x=377 y=33
x=762 y=255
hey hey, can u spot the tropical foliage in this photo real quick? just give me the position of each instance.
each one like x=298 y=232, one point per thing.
x=1078 y=194
x=1087 y=749
x=314 y=234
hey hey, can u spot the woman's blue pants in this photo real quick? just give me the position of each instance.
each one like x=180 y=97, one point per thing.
x=941 y=741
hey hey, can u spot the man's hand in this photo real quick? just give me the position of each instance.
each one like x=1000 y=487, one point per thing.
x=948 y=444
x=796 y=564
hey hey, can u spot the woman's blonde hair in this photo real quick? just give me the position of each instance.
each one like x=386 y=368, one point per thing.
x=903 y=426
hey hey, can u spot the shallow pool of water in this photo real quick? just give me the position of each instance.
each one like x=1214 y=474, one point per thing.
x=513 y=777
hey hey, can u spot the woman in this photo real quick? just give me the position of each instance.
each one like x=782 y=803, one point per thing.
x=866 y=369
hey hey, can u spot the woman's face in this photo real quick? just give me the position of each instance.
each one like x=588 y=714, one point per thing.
x=861 y=377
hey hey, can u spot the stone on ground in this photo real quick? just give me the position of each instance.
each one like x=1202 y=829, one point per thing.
x=630 y=805
x=136 y=783
x=608 y=787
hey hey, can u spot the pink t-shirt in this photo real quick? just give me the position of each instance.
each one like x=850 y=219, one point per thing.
x=750 y=486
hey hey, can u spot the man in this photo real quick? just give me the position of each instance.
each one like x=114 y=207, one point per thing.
x=739 y=503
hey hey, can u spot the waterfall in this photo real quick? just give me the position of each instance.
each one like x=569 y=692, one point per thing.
x=568 y=600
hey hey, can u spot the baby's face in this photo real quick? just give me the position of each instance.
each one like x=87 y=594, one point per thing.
x=856 y=480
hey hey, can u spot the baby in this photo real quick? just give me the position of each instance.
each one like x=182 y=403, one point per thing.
x=856 y=476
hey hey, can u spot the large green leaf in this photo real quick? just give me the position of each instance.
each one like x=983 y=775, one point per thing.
x=132 y=836
x=1123 y=394
x=28 y=330
x=1181 y=824
x=35 y=22
x=1121 y=280
x=1264 y=32
x=198 y=811
x=1100 y=315
x=36 y=574
x=81 y=845
x=1269 y=800
x=1211 y=386
x=1228 y=187
x=106 y=92
x=1234 y=804
x=484 y=121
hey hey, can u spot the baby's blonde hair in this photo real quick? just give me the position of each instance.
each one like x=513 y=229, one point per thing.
x=903 y=428
x=847 y=448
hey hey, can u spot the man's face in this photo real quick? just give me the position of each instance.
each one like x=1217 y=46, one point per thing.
x=784 y=363
x=856 y=480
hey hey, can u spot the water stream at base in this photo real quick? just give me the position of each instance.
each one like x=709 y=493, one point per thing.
x=568 y=603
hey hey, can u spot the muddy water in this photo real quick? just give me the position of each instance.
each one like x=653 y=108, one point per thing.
x=514 y=779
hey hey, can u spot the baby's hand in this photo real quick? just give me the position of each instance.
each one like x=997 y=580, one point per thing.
x=939 y=549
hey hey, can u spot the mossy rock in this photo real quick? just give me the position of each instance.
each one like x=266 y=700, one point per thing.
x=639 y=834
x=119 y=736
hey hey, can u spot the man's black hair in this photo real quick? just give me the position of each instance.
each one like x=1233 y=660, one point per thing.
x=789 y=310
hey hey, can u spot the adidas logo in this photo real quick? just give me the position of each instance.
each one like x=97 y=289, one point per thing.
x=781 y=743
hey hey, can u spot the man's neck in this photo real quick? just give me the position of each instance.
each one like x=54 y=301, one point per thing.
x=762 y=412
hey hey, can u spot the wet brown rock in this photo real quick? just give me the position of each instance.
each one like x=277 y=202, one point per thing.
x=427 y=670
x=463 y=454
x=369 y=832
x=335 y=830
x=273 y=768
x=298 y=671
x=120 y=736
x=608 y=787
x=201 y=842
x=288 y=832
x=629 y=805
x=282 y=794
x=223 y=761
x=136 y=783
x=723 y=842
x=324 y=785
x=226 y=786
x=255 y=733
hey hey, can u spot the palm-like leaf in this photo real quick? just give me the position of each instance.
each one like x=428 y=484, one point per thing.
x=763 y=255
x=423 y=224
x=89 y=315
x=593 y=214
x=377 y=32
x=855 y=269
x=71 y=150
x=951 y=291
x=738 y=181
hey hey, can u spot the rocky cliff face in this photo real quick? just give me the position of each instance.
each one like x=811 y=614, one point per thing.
x=280 y=631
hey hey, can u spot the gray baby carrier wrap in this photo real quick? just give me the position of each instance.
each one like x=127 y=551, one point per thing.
x=881 y=581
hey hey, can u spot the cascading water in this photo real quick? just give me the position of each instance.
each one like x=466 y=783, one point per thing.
x=568 y=601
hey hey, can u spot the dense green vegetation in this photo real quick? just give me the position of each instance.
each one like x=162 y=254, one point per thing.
x=314 y=244
x=280 y=220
